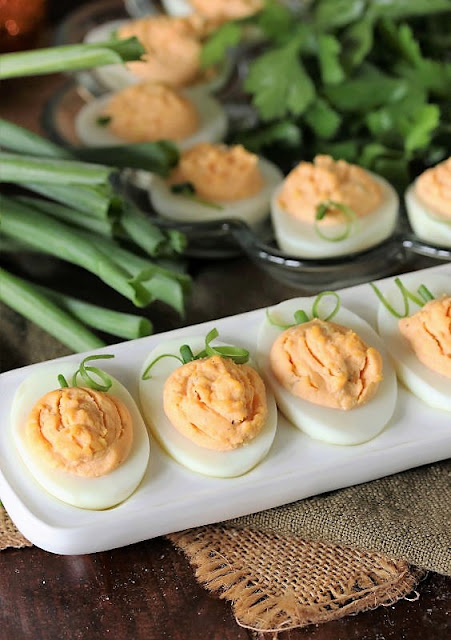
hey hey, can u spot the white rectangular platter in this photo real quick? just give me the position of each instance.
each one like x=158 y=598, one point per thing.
x=172 y=498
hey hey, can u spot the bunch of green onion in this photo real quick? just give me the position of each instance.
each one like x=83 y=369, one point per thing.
x=69 y=208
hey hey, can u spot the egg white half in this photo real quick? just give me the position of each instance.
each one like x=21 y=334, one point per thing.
x=334 y=426
x=177 y=7
x=212 y=121
x=252 y=210
x=117 y=76
x=299 y=239
x=425 y=224
x=87 y=493
x=221 y=464
x=431 y=387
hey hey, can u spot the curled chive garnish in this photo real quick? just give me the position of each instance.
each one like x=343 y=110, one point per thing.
x=237 y=354
x=187 y=190
x=300 y=316
x=350 y=218
x=319 y=297
x=423 y=292
x=84 y=372
x=103 y=121
x=146 y=375
x=62 y=381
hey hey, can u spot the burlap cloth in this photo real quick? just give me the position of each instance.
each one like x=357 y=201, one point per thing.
x=310 y=561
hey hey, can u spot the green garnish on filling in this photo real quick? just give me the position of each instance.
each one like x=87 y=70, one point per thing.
x=300 y=316
x=350 y=219
x=424 y=296
x=237 y=354
x=103 y=121
x=84 y=372
x=187 y=190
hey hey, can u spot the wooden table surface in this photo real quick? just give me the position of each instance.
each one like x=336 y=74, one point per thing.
x=148 y=590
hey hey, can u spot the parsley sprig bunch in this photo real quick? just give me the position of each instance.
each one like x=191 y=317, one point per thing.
x=364 y=80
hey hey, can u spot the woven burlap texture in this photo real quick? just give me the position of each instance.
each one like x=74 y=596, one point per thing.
x=276 y=583
x=9 y=535
x=405 y=516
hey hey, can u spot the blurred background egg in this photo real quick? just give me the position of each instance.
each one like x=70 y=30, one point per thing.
x=151 y=116
x=333 y=426
x=221 y=177
x=172 y=58
x=99 y=492
x=326 y=180
x=224 y=464
x=431 y=387
x=428 y=204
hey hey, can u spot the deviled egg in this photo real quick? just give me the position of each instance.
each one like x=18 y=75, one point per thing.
x=331 y=208
x=331 y=377
x=173 y=53
x=213 y=182
x=212 y=414
x=418 y=336
x=428 y=203
x=147 y=112
x=217 y=10
x=84 y=446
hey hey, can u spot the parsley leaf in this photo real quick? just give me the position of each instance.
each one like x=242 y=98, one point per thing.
x=279 y=83
x=215 y=49
x=284 y=133
x=329 y=50
x=322 y=119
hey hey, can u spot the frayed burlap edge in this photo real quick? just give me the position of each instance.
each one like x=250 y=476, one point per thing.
x=10 y=536
x=276 y=583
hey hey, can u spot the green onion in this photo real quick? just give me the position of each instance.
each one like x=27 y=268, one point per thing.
x=141 y=230
x=187 y=190
x=20 y=140
x=425 y=293
x=27 y=301
x=407 y=294
x=18 y=168
x=62 y=381
x=62 y=212
x=83 y=371
x=319 y=297
x=300 y=317
x=69 y=58
x=350 y=218
x=99 y=201
x=116 y=323
x=157 y=157
x=277 y=324
x=186 y=353
x=146 y=375
x=103 y=121
x=238 y=355
x=52 y=236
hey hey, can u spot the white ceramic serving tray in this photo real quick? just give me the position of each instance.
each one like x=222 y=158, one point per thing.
x=172 y=498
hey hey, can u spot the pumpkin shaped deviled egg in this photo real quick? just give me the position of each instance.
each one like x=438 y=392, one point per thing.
x=414 y=320
x=428 y=203
x=331 y=379
x=83 y=441
x=331 y=208
x=208 y=406
x=216 y=181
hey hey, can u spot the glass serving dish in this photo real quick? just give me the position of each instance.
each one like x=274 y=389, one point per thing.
x=228 y=238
